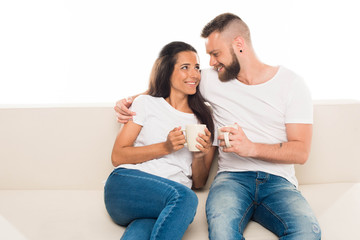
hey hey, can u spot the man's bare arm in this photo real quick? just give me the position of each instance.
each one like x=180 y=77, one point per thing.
x=295 y=151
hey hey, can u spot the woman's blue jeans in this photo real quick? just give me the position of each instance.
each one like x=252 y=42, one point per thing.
x=235 y=198
x=150 y=206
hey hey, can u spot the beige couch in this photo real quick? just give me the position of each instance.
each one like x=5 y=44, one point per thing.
x=53 y=161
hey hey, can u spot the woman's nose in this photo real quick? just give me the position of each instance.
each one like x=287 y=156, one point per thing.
x=195 y=73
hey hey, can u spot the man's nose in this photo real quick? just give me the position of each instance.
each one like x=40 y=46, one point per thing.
x=213 y=61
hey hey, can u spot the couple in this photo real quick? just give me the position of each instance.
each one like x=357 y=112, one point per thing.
x=149 y=191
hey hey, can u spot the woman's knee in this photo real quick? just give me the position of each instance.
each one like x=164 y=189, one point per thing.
x=188 y=198
x=139 y=229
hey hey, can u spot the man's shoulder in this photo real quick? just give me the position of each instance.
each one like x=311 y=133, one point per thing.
x=288 y=73
x=209 y=73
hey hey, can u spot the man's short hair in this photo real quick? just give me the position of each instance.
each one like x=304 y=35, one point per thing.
x=218 y=24
x=221 y=22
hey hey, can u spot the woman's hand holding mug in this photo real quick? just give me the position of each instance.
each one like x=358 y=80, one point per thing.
x=205 y=144
x=175 y=140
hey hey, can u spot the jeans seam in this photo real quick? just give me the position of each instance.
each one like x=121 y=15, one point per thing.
x=245 y=214
x=177 y=194
x=170 y=211
x=277 y=216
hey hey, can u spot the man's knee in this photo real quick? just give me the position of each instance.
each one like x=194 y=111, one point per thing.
x=311 y=231
x=224 y=217
x=306 y=229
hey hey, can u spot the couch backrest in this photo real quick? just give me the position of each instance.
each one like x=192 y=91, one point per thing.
x=70 y=147
x=335 y=152
x=56 y=147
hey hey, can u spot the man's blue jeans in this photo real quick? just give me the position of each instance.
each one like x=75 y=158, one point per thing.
x=150 y=206
x=235 y=198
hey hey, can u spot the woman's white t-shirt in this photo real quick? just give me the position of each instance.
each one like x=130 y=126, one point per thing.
x=157 y=118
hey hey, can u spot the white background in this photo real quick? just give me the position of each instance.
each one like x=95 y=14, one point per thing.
x=98 y=51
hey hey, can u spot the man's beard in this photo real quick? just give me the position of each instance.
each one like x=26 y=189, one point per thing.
x=230 y=72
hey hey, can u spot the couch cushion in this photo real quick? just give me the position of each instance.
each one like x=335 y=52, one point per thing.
x=58 y=214
x=71 y=214
x=337 y=207
x=8 y=231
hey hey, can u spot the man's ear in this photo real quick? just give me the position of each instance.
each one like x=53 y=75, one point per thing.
x=238 y=44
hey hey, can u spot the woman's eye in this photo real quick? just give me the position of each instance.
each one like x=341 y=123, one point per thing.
x=184 y=67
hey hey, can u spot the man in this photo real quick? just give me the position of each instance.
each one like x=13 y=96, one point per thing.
x=272 y=109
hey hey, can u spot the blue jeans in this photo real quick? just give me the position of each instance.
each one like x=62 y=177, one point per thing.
x=235 y=198
x=150 y=206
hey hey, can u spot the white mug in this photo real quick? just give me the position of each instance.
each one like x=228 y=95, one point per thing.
x=226 y=134
x=191 y=133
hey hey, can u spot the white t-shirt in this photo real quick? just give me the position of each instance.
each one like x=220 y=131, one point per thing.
x=262 y=111
x=157 y=119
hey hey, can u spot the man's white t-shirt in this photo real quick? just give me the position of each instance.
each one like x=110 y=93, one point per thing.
x=157 y=118
x=262 y=111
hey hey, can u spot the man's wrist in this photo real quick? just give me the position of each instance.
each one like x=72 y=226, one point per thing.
x=253 y=150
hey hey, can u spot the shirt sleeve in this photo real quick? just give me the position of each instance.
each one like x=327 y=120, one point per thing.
x=299 y=107
x=139 y=107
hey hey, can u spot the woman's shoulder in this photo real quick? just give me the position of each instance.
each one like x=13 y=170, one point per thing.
x=148 y=97
x=144 y=105
x=147 y=100
x=143 y=99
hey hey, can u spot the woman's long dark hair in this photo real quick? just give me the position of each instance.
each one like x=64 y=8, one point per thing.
x=160 y=82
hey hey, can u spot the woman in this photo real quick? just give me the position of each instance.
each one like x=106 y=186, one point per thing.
x=149 y=190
